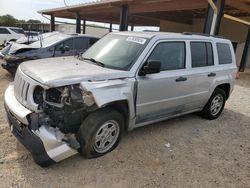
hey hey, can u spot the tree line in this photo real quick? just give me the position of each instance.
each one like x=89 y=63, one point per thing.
x=9 y=20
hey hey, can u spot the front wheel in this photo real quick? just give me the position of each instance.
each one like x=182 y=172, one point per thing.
x=215 y=105
x=100 y=132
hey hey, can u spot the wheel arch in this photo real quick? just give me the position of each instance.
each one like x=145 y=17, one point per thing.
x=121 y=106
x=226 y=87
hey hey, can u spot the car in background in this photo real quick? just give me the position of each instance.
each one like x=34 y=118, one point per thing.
x=30 y=37
x=52 y=46
x=33 y=36
x=10 y=34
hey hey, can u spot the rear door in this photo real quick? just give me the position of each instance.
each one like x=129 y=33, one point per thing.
x=202 y=72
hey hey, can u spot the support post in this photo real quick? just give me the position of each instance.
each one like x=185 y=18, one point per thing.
x=246 y=53
x=221 y=7
x=214 y=15
x=78 y=23
x=124 y=18
x=110 y=27
x=52 y=23
x=84 y=27
x=132 y=27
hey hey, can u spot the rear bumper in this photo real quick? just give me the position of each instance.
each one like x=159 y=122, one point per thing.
x=45 y=143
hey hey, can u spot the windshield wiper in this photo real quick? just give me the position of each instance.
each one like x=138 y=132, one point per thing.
x=94 y=61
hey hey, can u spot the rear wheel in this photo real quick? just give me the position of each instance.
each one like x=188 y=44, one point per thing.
x=215 y=105
x=100 y=132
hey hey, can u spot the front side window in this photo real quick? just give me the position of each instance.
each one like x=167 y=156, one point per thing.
x=68 y=43
x=4 y=31
x=202 y=54
x=116 y=51
x=224 y=53
x=170 y=54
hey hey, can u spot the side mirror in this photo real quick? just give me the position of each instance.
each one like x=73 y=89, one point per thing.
x=151 y=67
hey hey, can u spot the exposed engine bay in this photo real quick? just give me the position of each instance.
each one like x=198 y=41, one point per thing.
x=64 y=108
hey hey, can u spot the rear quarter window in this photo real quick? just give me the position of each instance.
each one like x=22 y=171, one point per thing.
x=224 y=53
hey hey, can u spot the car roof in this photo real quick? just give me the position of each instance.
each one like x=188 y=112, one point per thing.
x=11 y=27
x=80 y=35
x=170 y=35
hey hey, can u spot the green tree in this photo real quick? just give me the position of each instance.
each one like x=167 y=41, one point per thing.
x=34 y=21
x=7 y=20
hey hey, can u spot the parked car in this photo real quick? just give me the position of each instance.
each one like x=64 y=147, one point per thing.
x=8 y=34
x=59 y=106
x=33 y=36
x=54 y=45
x=30 y=37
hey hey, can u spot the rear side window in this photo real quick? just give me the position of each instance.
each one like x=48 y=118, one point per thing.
x=171 y=54
x=224 y=53
x=80 y=43
x=4 y=31
x=202 y=54
x=92 y=41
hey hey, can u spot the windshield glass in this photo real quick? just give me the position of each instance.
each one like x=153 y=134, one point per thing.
x=116 y=51
x=17 y=30
x=50 y=40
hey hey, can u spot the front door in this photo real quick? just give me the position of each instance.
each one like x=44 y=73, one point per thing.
x=166 y=93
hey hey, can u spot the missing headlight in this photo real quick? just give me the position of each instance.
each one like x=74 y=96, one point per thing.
x=38 y=95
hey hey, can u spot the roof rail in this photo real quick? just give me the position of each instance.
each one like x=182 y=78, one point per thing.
x=202 y=34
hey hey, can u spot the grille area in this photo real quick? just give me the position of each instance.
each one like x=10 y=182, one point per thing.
x=24 y=88
x=21 y=88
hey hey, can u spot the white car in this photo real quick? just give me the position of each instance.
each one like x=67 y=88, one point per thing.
x=8 y=34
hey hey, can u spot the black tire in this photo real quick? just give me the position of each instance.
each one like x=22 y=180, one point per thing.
x=207 y=112
x=91 y=125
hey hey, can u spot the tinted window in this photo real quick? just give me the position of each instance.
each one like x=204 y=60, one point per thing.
x=80 y=43
x=4 y=31
x=171 y=55
x=224 y=53
x=92 y=41
x=68 y=43
x=202 y=54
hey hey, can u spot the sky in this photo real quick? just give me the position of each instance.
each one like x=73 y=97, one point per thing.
x=27 y=9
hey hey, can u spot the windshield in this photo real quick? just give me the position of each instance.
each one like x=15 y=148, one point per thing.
x=116 y=51
x=49 y=40
x=17 y=30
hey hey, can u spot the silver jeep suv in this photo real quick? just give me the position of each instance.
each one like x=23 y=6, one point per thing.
x=58 y=107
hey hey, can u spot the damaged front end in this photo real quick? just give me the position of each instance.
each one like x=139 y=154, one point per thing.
x=64 y=107
x=11 y=62
x=49 y=133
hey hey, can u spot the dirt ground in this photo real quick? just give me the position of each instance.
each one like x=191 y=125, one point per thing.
x=183 y=152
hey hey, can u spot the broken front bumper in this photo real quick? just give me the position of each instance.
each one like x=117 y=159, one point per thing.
x=44 y=144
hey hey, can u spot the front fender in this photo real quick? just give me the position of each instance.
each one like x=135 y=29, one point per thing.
x=109 y=91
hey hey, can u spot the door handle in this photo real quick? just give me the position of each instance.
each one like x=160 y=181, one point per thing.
x=212 y=74
x=181 y=79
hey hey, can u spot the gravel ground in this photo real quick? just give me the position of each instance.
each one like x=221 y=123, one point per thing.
x=183 y=152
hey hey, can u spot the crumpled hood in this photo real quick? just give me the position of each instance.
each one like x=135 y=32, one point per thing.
x=56 y=72
x=14 y=47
